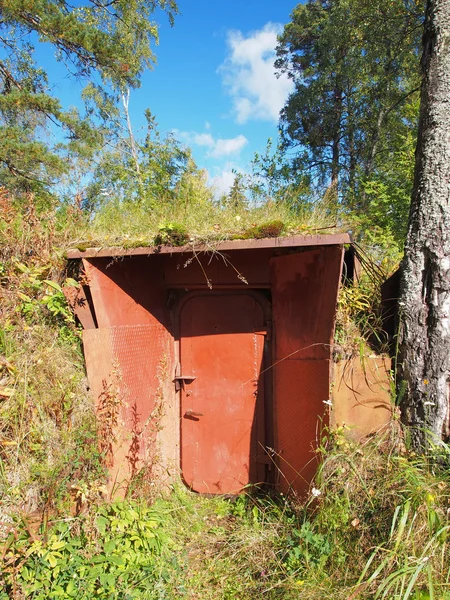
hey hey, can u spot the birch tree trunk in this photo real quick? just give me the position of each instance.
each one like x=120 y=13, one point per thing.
x=424 y=357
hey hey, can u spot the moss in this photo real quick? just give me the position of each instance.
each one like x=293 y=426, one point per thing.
x=266 y=230
x=129 y=245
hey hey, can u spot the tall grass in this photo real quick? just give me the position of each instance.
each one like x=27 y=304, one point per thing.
x=377 y=529
x=47 y=424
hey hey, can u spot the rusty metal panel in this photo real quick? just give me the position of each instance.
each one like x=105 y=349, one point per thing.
x=81 y=305
x=301 y=388
x=221 y=357
x=362 y=394
x=304 y=295
x=280 y=242
x=129 y=361
x=220 y=268
x=128 y=291
x=304 y=290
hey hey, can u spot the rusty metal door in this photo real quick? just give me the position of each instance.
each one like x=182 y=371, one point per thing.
x=221 y=348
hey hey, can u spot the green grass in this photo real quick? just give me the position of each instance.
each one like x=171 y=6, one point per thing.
x=378 y=529
x=131 y=225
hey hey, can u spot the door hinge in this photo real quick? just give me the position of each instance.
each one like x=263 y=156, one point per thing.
x=265 y=330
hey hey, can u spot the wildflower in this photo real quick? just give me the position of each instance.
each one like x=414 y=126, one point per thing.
x=315 y=493
x=238 y=218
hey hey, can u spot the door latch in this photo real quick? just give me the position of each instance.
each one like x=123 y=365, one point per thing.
x=191 y=414
x=180 y=380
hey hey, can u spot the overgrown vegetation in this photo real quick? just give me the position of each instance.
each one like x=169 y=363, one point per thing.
x=375 y=525
x=48 y=436
x=375 y=522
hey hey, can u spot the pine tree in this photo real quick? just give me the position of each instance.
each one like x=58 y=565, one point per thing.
x=112 y=39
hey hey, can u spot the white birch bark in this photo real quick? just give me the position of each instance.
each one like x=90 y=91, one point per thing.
x=424 y=358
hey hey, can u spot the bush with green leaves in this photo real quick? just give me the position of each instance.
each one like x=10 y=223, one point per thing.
x=111 y=553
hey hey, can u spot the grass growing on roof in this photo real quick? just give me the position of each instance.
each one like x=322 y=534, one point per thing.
x=128 y=225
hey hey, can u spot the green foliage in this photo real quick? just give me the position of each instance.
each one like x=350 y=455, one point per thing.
x=272 y=178
x=131 y=224
x=171 y=234
x=385 y=508
x=90 y=39
x=351 y=122
x=307 y=549
x=152 y=172
x=47 y=427
x=43 y=299
x=236 y=198
x=265 y=230
x=109 y=554
x=381 y=215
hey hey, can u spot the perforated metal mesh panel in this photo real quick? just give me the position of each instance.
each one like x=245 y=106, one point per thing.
x=302 y=386
x=133 y=360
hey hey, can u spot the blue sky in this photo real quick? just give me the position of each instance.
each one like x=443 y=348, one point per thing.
x=213 y=84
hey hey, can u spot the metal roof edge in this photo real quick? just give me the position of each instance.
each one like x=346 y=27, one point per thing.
x=280 y=242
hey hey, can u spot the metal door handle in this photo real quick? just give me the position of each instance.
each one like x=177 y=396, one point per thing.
x=192 y=413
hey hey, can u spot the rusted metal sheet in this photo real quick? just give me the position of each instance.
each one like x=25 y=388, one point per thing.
x=127 y=292
x=129 y=364
x=301 y=390
x=240 y=268
x=281 y=242
x=362 y=395
x=305 y=287
x=222 y=404
x=304 y=294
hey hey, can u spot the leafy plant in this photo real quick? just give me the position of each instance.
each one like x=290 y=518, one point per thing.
x=171 y=234
x=108 y=554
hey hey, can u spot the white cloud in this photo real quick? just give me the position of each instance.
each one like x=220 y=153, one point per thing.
x=228 y=147
x=222 y=182
x=201 y=139
x=217 y=148
x=248 y=74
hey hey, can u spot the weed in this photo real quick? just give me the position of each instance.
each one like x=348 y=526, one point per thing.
x=171 y=234
x=109 y=553
x=109 y=405
x=47 y=429
x=130 y=225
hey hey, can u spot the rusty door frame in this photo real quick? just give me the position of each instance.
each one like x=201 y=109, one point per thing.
x=268 y=353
